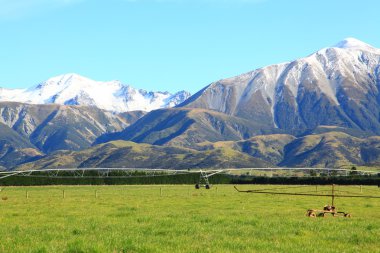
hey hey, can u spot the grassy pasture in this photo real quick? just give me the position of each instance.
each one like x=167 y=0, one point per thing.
x=182 y=219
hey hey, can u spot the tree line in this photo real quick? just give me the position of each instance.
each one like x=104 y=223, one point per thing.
x=191 y=178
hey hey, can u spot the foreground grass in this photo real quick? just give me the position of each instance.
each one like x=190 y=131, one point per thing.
x=139 y=219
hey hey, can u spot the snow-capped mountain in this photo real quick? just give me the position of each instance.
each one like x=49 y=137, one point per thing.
x=73 y=89
x=338 y=85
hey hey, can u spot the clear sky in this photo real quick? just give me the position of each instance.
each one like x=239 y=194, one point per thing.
x=170 y=44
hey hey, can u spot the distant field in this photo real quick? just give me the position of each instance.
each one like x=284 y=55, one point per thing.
x=368 y=168
x=182 y=219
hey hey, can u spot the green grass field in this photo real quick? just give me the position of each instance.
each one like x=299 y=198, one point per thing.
x=139 y=219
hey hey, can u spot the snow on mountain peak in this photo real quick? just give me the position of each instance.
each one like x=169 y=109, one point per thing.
x=73 y=89
x=351 y=63
x=352 y=43
x=72 y=77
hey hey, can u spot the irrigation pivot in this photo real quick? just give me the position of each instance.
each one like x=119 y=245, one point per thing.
x=327 y=209
x=73 y=173
x=203 y=178
x=205 y=174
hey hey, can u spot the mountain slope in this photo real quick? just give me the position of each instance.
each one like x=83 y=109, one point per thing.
x=72 y=89
x=336 y=86
x=187 y=127
x=55 y=127
x=326 y=150
x=15 y=149
x=119 y=154
x=268 y=148
x=330 y=149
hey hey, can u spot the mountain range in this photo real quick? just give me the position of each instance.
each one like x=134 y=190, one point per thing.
x=319 y=111
x=73 y=89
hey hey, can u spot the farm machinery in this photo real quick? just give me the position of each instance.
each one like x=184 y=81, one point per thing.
x=327 y=209
x=203 y=178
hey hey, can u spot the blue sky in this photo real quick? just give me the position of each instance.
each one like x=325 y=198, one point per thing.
x=170 y=44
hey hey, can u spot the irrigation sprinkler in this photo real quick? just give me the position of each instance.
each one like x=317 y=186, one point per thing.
x=327 y=209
